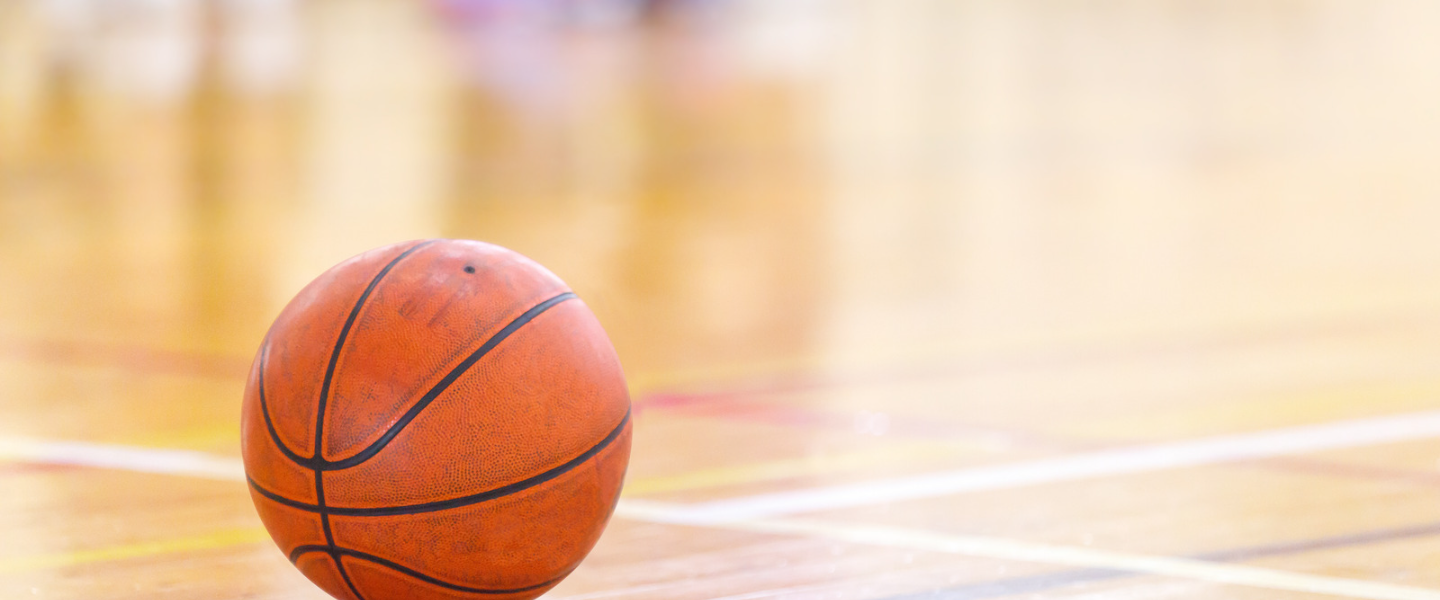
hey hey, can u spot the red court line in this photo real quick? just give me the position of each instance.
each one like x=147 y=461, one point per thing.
x=1300 y=464
x=25 y=468
x=225 y=366
x=138 y=359
x=894 y=424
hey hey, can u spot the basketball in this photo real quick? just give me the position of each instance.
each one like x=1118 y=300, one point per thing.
x=436 y=420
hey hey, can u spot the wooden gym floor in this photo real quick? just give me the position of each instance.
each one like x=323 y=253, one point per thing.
x=918 y=299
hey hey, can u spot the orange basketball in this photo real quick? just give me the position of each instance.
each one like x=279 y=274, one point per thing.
x=436 y=419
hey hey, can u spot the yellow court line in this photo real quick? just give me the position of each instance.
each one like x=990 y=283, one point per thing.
x=979 y=546
x=226 y=538
x=1071 y=556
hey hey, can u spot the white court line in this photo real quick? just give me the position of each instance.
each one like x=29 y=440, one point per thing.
x=741 y=513
x=1088 y=465
x=1072 y=556
x=127 y=458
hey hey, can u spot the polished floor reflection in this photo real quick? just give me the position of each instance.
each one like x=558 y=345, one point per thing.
x=835 y=243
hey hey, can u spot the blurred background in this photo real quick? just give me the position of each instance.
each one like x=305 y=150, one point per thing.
x=744 y=190
x=738 y=187
x=1107 y=220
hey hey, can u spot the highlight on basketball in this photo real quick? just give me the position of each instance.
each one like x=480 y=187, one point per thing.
x=719 y=300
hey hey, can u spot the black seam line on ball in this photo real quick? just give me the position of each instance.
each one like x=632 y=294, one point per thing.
x=340 y=344
x=305 y=506
x=450 y=378
x=453 y=502
x=339 y=566
x=265 y=359
x=324 y=397
x=336 y=553
x=265 y=408
x=320 y=507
